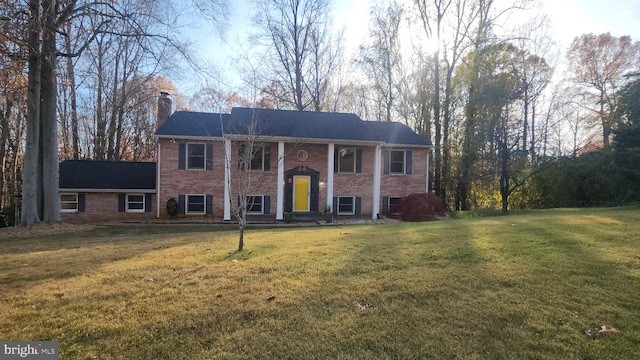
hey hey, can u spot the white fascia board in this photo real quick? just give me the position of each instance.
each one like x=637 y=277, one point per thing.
x=197 y=138
x=304 y=140
x=130 y=191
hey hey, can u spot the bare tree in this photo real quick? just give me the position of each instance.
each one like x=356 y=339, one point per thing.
x=297 y=33
x=382 y=60
x=599 y=63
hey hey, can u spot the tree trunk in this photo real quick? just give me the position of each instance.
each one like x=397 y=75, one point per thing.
x=49 y=130
x=71 y=78
x=32 y=142
x=241 y=228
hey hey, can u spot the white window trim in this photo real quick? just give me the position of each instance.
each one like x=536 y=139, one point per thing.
x=144 y=204
x=354 y=160
x=262 y=151
x=353 y=205
x=68 y=202
x=261 y=212
x=404 y=162
x=186 y=160
x=186 y=205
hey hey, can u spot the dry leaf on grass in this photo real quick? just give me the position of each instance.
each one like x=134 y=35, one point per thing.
x=604 y=330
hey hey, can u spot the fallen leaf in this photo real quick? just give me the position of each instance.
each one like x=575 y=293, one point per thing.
x=604 y=330
x=271 y=298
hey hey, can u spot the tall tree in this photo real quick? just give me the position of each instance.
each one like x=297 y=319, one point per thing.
x=599 y=63
x=295 y=32
x=382 y=60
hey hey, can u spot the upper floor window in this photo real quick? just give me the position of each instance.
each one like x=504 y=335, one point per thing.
x=347 y=160
x=397 y=162
x=253 y=157
x=196 y=156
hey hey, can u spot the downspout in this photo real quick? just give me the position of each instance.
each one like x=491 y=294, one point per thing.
x=428 y=164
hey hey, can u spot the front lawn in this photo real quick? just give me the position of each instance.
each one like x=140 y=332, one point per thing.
x=511 y=287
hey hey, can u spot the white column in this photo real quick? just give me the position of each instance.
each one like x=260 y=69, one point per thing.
x=428 y=157
x=158 y=181
x=227 y=179
x=377 y=173
x=330 y=156
x=280 y=194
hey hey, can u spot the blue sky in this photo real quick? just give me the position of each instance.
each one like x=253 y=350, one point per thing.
x=570 y=18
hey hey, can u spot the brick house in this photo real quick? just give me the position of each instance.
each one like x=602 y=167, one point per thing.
x=301 y=163
x=106 y=190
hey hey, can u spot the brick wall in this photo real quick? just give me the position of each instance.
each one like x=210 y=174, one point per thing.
x=175 y=182
x=104 y=207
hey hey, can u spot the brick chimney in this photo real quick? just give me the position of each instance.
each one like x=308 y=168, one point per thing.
x=164 y=108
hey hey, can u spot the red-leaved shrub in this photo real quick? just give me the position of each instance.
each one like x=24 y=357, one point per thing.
x=418 y=207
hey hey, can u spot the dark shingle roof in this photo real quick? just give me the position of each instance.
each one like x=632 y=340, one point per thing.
x=397 y=133
x=289 y=124
x=104 y=175
x=300 y=124
x=186 y=123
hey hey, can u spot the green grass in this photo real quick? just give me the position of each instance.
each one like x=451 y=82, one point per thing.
x=522 y=286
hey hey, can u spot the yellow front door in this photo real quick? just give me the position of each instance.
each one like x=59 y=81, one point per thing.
x=301 y=190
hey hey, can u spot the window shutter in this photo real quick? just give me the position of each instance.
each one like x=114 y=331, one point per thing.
x=209 y=204
x=314 y=194
x=147 y=203
x=181 y=204
x=358 y=205
x=81 y=203
x=335 y=205
x=336 y=158
x=385 y=160
x=385 y=204
x=408 y=156
x=209 y=156
x=267 y=157
x=267 y=204
x=358 y=161
x=121 y=202
x=182 y=156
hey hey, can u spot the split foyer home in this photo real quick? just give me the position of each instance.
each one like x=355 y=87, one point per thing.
x=280 y=161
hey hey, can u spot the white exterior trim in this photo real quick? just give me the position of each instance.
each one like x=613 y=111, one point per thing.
x=377 y=174
x=227 y=180
x=158 y=157
x=330 y=165
x=280 y=182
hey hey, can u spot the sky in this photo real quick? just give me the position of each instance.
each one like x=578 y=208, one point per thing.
x=569 y=19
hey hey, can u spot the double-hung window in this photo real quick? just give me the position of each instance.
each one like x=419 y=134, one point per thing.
x=396 y=162
x=195 y=204
x=253 y=157
x=255 y=204
x=346 y=205
x=347 y=160
x=135 y=203
x=68 y=202
x=196 y=156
